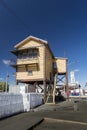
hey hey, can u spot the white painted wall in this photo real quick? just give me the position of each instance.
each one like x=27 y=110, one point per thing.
x=10 y=104
x=35 y=99
x=15 y=103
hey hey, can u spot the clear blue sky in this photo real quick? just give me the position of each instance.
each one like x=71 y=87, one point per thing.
x=63 y=23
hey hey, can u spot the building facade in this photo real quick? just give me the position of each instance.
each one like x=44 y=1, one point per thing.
x=36 y=63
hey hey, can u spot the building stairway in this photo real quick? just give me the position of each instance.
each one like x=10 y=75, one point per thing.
x=49 y=99
x=51 y=93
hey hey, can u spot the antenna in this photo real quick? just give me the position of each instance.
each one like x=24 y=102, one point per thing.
x=64 y=53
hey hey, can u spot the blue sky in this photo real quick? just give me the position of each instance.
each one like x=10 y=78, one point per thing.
x=63 y=23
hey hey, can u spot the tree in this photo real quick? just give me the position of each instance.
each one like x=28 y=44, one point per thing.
x=3 y=86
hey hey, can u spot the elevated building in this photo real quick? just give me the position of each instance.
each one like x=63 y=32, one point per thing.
x=37 y=66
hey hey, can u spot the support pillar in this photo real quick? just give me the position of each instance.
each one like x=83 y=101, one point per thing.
x=44 y=83
x=54 y=88
x=16 y=82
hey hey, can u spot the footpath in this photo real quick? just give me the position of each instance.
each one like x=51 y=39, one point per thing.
x=67 y=115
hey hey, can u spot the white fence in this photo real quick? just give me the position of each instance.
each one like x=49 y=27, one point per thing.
x=15 y=103
x=31 y=100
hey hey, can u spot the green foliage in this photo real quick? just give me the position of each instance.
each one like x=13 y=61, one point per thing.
x=3 y=86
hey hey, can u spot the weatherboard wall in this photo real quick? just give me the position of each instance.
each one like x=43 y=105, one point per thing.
x=61 y=65
x=38 y=72
x=42 y=66
x=49 y=64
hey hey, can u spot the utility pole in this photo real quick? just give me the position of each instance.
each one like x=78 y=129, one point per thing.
x=7 y=76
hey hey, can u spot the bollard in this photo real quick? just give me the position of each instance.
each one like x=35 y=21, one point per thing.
x=75 y=106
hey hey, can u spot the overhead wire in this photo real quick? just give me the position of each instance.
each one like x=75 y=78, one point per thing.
x=17 y=17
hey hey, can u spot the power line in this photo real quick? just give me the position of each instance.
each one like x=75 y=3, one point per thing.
x=14 y=14
x=73 y=62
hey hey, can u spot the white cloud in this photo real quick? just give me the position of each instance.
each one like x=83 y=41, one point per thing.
x=1 y=78
x=7 y=62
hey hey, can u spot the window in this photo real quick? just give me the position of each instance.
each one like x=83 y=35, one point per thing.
x=32 y=53
x=30 y=72
x=35 y=53
x=20 y=55
x=28 y=53
x=54 y=65
x=24 y=55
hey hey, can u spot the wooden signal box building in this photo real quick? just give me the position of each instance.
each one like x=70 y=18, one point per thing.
x=36 y=64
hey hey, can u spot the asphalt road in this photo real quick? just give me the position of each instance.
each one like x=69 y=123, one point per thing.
x=49 y=116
